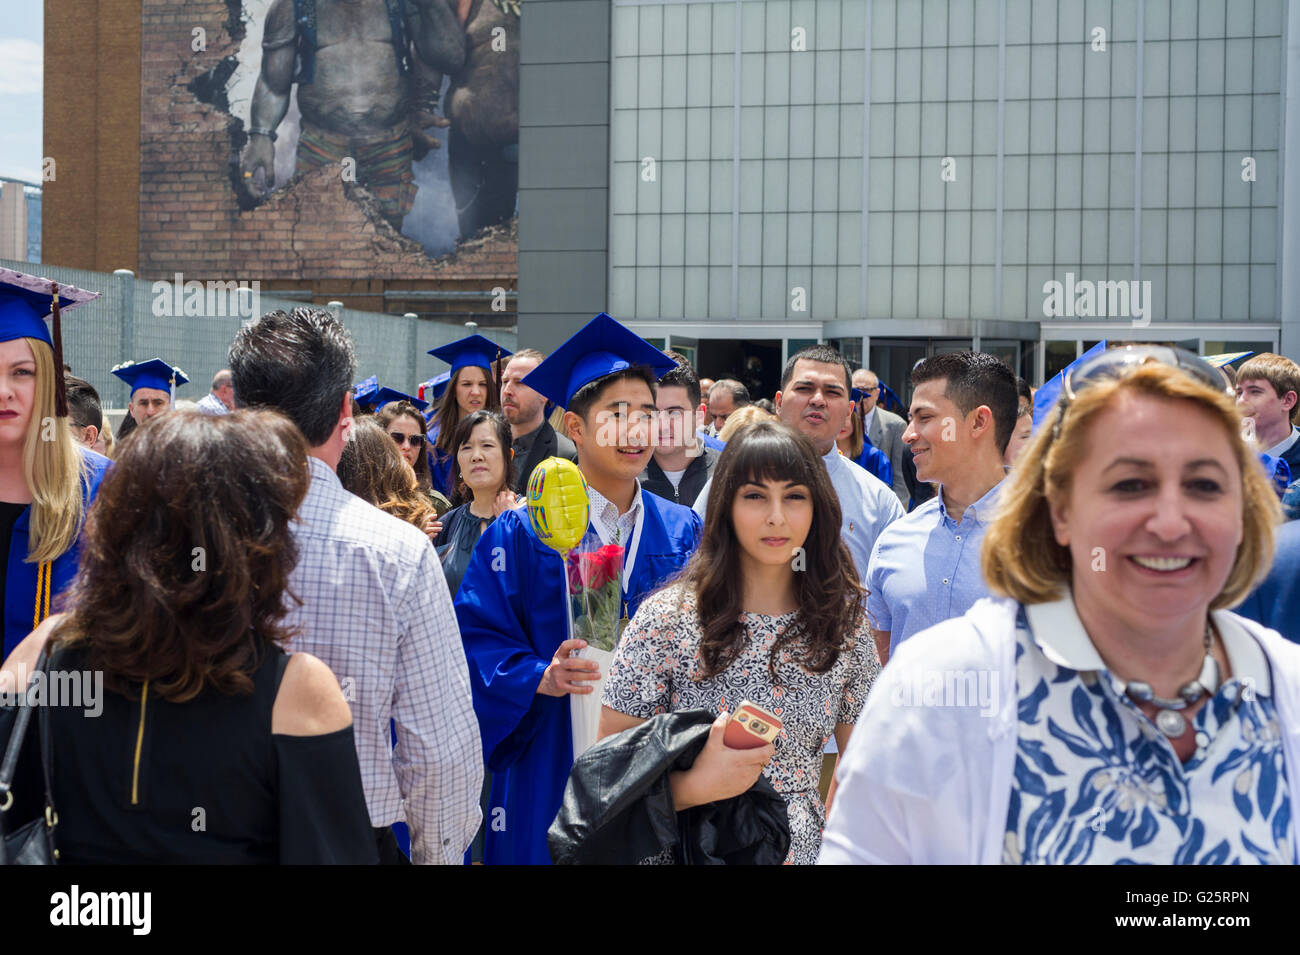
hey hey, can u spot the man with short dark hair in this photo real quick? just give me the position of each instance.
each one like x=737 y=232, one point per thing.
x=221 y=399
x=815 y=399
x=511 y=601
x=680 y=464
x=534 y=440
x=882 y=428
x=926 y=568
x=374 y=602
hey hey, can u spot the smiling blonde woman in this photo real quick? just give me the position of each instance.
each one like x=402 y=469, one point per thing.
x=1107 y=707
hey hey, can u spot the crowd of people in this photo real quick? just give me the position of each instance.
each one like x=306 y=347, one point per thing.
x=331 y=627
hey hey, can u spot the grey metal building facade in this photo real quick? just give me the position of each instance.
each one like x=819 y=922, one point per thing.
x=902 y=177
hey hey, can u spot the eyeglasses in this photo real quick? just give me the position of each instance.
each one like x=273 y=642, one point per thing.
x=414 y=440
x=1118 y=362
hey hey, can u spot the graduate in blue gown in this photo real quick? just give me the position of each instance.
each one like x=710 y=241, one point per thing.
x=510 y=605
x=38 y=567
x=475 y=362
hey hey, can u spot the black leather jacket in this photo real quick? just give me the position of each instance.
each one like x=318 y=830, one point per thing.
x=618 y=808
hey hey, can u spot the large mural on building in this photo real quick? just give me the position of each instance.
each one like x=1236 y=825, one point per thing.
x=371 y=115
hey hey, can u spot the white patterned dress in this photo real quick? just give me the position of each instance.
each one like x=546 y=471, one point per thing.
x=651 y=674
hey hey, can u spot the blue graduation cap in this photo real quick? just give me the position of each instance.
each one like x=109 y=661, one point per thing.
x=436 y=386
x=386 y=395
x=1045 y=398
x=857 y=394
x=154 y=373
x=474 y=351
x=891 y=402
x=599 y=348
x=25 y=301
x=363 y=392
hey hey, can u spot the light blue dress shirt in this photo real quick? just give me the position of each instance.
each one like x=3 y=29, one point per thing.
x=867 y=506
x=925 y=569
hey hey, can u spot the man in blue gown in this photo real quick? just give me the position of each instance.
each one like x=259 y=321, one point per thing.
x=510 y=606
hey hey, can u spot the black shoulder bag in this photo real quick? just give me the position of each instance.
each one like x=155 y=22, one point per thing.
x=33 y=843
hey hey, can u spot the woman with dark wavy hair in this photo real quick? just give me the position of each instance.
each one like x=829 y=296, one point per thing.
x=769 y=610
x=209 y=744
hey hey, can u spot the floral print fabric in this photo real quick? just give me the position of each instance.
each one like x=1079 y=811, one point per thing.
x=659 y=652
x=1095 y=782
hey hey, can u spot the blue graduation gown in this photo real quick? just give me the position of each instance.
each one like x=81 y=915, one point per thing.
x=510 y=608
x=439 y=464
x=20 y=580
x=874 y=461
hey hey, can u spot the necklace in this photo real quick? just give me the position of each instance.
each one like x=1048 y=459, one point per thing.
x=1169 y=720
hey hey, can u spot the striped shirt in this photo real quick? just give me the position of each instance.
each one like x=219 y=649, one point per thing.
x=375 y=608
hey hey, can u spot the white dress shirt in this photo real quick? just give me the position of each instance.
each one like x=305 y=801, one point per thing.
x=376 y=610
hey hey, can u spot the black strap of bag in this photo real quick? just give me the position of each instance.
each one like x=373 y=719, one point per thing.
x=33 y=843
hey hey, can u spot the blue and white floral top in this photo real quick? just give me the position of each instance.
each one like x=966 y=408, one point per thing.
x=1096 y=782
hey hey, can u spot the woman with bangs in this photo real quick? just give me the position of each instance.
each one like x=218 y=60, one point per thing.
x=47 y=482
x=1107 y=707
x=769 y=610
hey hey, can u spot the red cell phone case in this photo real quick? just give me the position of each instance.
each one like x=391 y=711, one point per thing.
x=751 y=726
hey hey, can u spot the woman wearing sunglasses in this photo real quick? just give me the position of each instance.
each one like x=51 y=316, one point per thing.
x=1108 y=707
x=405 y=424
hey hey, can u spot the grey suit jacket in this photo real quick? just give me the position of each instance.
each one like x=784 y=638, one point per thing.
x=887 y=436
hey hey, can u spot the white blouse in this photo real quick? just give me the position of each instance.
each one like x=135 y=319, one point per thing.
x=930 y=780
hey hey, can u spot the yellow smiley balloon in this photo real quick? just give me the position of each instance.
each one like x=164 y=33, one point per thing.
x=557 y=504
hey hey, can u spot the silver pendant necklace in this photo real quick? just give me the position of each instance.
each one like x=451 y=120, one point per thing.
x=1169 y=720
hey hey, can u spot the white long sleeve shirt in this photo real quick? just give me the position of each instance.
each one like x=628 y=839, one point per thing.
x=931 y=785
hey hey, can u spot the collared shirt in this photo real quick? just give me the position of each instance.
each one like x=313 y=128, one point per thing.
x=612 y=526
x=523 y=444
x=376 y=610
x=928 y=774
x=1283 y=446
x=866 y=424
x=867 y=506
x=211 y=404
x=1084 y=747
x=926 y=568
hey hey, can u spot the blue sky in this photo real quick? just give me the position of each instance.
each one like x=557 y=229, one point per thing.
x=20 y=88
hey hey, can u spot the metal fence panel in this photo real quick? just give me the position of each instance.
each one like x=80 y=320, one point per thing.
x=134 y=320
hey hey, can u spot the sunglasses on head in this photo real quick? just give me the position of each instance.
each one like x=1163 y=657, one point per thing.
x=414 y=440
x=1115 y=363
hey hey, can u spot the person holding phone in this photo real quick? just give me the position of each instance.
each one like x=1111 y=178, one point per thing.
x=768 y=612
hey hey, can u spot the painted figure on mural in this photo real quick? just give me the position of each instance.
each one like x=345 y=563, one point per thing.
x=362 y=68
x=483 y=107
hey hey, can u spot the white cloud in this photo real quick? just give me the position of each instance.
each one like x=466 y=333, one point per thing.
x=21 y=67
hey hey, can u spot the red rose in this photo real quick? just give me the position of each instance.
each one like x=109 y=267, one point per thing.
x=612 y=556
x=593 y=570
